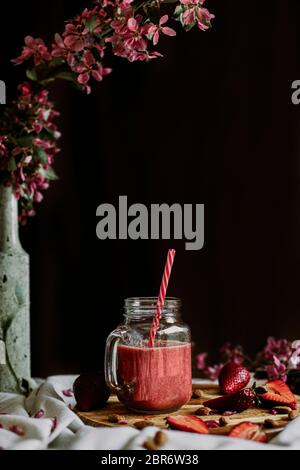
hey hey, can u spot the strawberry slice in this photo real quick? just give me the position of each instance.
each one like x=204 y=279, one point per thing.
x=233 y=377
x=187 y=423
x=238 y=401
x=250 y=431
x=277 y=392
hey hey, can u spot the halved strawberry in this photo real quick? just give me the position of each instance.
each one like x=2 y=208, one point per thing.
x=238 y=401
x=233 y=377
x=187 y=423
x=247 y=430
x=277 y=392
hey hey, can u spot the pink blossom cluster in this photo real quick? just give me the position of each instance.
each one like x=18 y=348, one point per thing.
x=28 y=135
x=227 y=352
x=277 y=358
x=123 y=24
x=27 y=154
x=192 y=13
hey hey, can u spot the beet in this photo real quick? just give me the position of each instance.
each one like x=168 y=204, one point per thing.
x=91 y=391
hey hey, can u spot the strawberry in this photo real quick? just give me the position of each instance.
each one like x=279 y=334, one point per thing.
x=249 y=431
x=239 y=401
x=233 y=377
x=277 y=392
x=187 y=423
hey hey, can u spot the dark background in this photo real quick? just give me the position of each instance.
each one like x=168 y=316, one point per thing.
x=210 y=123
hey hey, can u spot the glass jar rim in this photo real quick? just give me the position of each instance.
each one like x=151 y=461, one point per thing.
x=140 y=306
x=148 y=302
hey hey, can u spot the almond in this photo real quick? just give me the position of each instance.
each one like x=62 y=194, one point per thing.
x=275 y=423
x=142 y=424
x=293 y=414
x=197 y=393
x=224 y=421
x=160 y=438
x=203 y=411
x=150 y=445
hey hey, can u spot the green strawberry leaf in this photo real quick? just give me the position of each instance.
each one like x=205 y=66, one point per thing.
x=41 y=154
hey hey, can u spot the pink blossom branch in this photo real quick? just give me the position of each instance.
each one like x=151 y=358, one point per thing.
x=28 y=134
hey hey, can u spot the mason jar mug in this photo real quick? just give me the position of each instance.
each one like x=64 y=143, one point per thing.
x=150 y=378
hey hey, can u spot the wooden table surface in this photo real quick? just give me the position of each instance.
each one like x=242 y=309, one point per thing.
x=114 y=407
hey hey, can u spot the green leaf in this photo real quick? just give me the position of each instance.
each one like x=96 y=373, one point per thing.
x=32 y=75
x=178 y=10
x=12 y=164
x=69 y=76
x=25 y=141
x=41 y=154
x=189 y=26
x=56 y=62
x=47 y=134
x=91 y=23
x=49 y=174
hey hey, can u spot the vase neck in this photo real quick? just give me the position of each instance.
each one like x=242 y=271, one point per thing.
x=9 y=226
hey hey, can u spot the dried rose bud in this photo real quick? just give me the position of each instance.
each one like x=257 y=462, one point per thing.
x=17 y=430
x=212 y=424
x=123 y=421
x=116 y=419
x=54 y=423
x=39 y=414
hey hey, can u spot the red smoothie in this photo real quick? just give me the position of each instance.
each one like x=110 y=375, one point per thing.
x=155 y=379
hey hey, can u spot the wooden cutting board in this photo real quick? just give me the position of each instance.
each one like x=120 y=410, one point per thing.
x=114 y=407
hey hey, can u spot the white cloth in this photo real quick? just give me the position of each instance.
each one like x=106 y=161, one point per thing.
x=45 y=420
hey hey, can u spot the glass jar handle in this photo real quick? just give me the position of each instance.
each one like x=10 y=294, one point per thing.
x=110 y=362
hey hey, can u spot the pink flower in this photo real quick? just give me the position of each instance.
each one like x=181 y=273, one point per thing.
x=68 y=393
x=188 y=16
x=294 y=360
x=276 y=370
x=213 y=372
x=3 y=148
x=281 y=348
x=74 y=39
x=133 y=37
x=35 y=48
x=203 y=18
x=90 y=67
x=232 y=353
x=192 y=12
x=155 y=30
x=201 y=361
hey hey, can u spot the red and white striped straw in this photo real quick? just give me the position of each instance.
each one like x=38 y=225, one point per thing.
x=161 y=296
